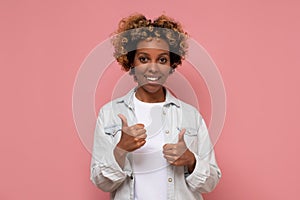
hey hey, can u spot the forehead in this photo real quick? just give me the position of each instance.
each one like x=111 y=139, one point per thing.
x=153 y=43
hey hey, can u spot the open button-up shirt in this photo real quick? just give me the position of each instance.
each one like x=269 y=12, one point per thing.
x=106 y=173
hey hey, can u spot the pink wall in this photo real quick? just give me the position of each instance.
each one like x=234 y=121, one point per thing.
x=254 y=43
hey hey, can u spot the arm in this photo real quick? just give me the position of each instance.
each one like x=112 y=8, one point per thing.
x=201 y=171
x=206 y=173
x=110 y=165
x=106 y=173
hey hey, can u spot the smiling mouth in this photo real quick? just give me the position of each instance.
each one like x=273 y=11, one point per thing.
x=151 y=78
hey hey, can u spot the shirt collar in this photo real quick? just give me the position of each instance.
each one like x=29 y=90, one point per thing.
x=128 y=99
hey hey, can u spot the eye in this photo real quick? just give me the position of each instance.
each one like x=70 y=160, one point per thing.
x=162 y=60
x=143 y=59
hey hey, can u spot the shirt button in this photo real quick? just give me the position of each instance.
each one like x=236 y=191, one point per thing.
x=202 y=179
x=170 y=179
x=167 y=131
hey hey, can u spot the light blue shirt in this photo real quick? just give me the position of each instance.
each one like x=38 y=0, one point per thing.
x=106 y=173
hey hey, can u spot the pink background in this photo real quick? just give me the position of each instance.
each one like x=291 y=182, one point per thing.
x=254 y=43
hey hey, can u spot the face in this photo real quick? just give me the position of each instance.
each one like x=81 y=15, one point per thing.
x=151 y=65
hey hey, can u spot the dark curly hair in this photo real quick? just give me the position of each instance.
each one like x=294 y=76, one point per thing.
x=137 y=27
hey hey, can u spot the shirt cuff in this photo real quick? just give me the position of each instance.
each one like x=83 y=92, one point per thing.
x=200 y=173
x=110 y=169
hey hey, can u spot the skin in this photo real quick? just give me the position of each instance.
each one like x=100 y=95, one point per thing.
x=151 y=60
x=151 y=70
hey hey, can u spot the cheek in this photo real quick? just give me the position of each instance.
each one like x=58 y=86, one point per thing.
x=165 y=70
x=139 y=73
x=138 y=70
x=141 y=68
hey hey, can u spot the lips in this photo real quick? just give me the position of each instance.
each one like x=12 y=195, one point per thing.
x=152 y=78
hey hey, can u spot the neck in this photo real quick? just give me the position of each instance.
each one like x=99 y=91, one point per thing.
x=145 y=96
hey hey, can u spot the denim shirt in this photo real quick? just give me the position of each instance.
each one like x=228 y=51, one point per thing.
x=106 y=173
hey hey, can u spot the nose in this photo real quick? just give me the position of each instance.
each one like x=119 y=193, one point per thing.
x=152 y=67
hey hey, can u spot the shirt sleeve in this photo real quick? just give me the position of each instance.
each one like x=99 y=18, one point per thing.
x=206 y=174
x=105 y=172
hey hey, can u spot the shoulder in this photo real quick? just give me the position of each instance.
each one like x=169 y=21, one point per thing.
x=119 y=102
x=189 y=116
x=184 y=108
x=188 y=108
x=123 y=104
x=113 y=103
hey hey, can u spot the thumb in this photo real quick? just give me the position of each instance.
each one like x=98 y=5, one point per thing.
x=181 y=135
x=124 y=120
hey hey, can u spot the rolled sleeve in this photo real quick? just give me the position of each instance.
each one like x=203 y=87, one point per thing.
x=206 y=173
x=105 y=172
x=205 y=176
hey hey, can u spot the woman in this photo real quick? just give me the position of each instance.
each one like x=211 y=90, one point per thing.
x=149 y=144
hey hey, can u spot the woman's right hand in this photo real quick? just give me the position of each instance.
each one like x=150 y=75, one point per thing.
x=133 y=137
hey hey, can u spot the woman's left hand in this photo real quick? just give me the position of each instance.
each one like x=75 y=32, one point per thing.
x=178 y=154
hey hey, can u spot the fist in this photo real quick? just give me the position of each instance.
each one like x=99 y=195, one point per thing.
x=178 y=154
x=133 y=137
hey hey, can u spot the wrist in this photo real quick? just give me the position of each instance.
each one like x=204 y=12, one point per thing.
x=120 y=156
x=192 y=163
x=120 y=147
x=120 y=151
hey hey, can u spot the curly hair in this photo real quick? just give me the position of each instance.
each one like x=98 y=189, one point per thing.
x=137 y=27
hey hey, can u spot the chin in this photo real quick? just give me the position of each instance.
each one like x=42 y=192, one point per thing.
x=152 y=88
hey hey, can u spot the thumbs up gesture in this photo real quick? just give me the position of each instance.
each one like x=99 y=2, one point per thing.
x=133 y=137
x=178 y=154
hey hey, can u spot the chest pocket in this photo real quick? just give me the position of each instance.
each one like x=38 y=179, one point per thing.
x=191 y=139
x=114 y=131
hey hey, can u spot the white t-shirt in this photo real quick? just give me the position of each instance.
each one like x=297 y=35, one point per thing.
x=149 y=165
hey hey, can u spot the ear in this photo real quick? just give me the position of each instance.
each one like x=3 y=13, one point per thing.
x=171 y=70
x=132 y=71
